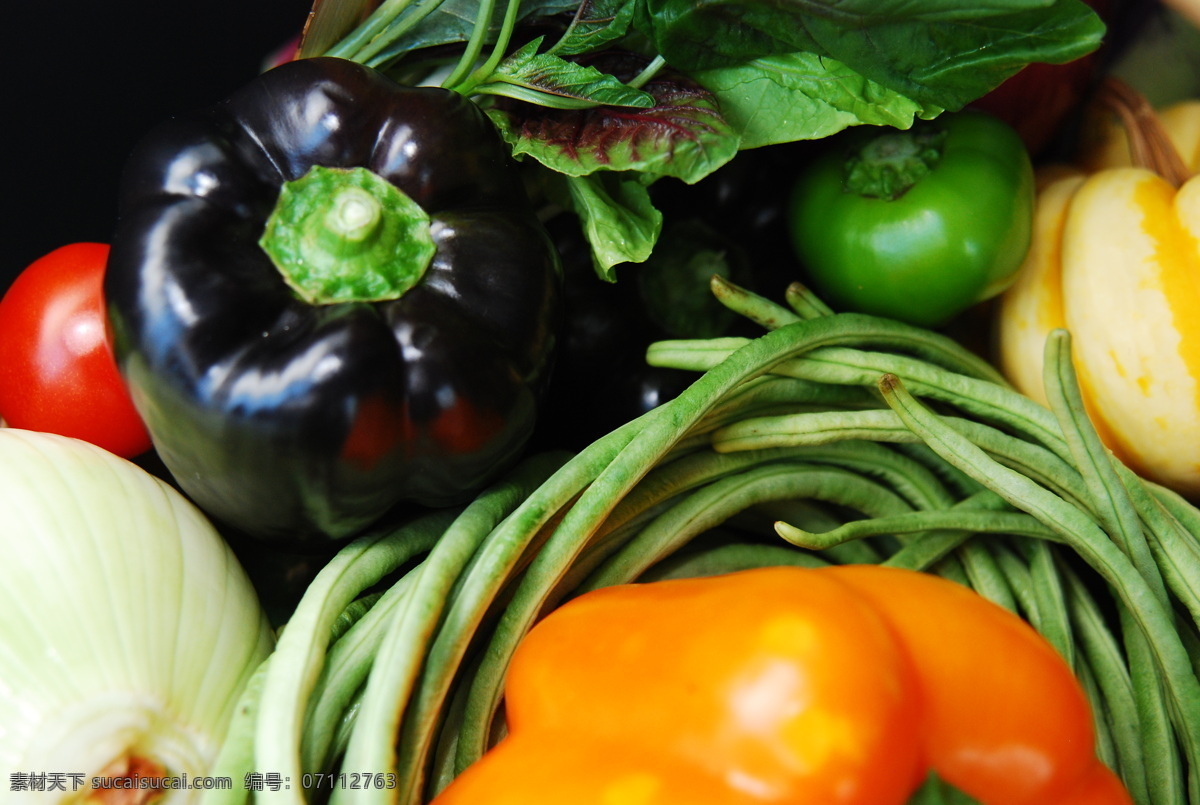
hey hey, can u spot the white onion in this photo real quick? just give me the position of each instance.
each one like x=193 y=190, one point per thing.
x=127 y=627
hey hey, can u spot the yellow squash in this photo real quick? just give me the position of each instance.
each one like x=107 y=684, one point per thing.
x=1115 y=259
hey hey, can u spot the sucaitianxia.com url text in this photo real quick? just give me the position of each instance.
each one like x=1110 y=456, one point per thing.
x=71 y=781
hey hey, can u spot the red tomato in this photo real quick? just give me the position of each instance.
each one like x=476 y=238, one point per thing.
x=57 y=372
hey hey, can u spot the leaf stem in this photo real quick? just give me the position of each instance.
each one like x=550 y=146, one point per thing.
x=650 y=70
x=364 y=37
x=485 y=70
x=470 y=55
x=386 y=50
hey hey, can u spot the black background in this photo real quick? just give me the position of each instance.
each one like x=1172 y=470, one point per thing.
x=84 y=79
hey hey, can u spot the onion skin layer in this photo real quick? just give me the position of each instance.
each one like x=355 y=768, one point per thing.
x=129 y=628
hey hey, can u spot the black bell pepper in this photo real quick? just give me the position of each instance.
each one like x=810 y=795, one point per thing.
x=329 y=295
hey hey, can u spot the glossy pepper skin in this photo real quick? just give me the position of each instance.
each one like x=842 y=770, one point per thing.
x=838 y=686
x=303 y=422
x=916 y=225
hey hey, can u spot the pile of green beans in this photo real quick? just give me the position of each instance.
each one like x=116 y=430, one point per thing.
x=829 y=439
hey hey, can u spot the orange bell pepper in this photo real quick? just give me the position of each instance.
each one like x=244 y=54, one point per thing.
x=838 y=686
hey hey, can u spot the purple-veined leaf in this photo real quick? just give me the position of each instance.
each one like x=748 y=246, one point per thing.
x=549 y=80
x=682 y=135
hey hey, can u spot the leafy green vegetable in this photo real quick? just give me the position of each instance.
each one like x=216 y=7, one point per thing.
x=934 y=52
x=682 y=134
x=618 y=218
x=799 y=96
x=597 y=23
x=554 y=82
x=743 y=73
x=431 y=23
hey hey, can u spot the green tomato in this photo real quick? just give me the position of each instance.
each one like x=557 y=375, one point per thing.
x=916 y=225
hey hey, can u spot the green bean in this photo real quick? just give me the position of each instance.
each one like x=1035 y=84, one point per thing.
x=300 y=653
x=955 y=479
x=957 y=518
x=810 y=428
x=442 y=767
x=341 y=732
x=1105 y=750
x=1097 y=644
x=580 y=522
x=907 y=477
x=1111 y=501
x=927 y=549
x=951 y=568
x=1187 y=514
x=1053 y=618
x=985 y=575
x=805 y=303
x=857 y=552
x=1191 y=642
x=794 y=430
x=236 y=755
x=1020 y=580
x=757 y=309
x=771 y=394
x=777 y=426
x=715 y=503
x=492 y=566
x=931 y=546
x=672 y=478
x=923 y=347
x=358 y=609
x=347 y=665
x=979 y=397
x=933 y=347
x=814 y=516
x=653 y=494
x=728 y=558
x=1119 y=517
x=333 y=704
x=1164 y=772
x=1092 y=544
x=694 y=355
x=1173 y=525
x=399 y=655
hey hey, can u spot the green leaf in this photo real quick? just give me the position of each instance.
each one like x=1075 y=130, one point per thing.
x=453 y=21
x=549 y=80
x=802 y=96
x=597 y=23
x=682 y=135
x=618 y=218
x=936 y=52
